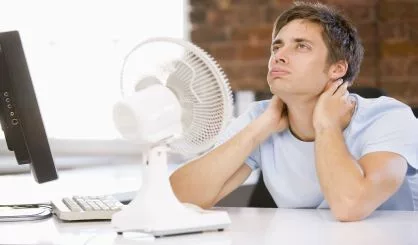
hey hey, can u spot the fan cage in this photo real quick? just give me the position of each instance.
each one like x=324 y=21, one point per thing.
x=203 y=91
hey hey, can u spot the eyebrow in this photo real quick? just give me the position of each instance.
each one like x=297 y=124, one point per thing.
x=296 y=40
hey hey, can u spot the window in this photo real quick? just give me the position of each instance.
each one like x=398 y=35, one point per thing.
x=75 y=51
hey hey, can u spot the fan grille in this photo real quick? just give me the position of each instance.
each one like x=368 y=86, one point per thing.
x=205 y=96
x=195 y=78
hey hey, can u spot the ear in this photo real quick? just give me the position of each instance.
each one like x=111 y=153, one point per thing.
x=338 y=70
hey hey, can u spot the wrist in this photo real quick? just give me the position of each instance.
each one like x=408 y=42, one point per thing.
x=326 y=127
x=264 y=127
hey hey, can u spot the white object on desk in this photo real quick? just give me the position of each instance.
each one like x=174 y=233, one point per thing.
x=181 y=106
x=250 y=226
x=119 y=176
x=156 y=210
x=77 y=208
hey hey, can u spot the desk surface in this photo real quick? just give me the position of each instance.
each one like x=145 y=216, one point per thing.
x=121 y=178
x=249 y=226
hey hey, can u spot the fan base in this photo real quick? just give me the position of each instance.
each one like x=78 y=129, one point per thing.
x=156 y=210
x=196 y=221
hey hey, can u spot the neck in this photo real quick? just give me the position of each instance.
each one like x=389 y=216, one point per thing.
x=300 y=113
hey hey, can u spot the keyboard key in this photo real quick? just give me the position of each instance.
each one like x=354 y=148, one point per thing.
x=87 y=207
x=72 y=205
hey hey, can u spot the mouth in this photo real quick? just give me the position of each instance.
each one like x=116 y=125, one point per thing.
x=275 y=72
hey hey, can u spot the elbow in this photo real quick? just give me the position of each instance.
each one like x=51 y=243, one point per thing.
x=350 y=214
x=185 y=193
x=173 y=182
x=175 y=186
x=351 y=211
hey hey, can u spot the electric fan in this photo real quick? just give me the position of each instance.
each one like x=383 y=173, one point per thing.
x=177 y=101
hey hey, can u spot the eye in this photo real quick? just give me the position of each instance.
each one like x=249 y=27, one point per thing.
x=302 y=46
x=274 y=48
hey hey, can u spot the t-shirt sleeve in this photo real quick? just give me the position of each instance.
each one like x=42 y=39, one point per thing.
x=237 y=125
x=395 y=131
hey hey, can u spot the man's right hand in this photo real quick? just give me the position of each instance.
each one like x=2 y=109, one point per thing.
x=276 y=115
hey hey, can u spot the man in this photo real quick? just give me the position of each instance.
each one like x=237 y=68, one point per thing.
x=317 y=145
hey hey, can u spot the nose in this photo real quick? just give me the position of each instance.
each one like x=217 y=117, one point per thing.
x=280 y=56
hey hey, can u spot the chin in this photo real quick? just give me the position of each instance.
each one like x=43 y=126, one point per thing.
x=276 y=91
x=280 y=86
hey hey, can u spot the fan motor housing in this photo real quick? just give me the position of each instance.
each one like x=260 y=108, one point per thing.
x=149 y=115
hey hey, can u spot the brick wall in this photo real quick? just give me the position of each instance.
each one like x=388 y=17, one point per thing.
x=238 y=34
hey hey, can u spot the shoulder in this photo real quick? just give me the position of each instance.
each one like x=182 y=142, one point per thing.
x=385 y=110
x=386 y=124
x=257 y=108
x=254 y=110
x=383 y=119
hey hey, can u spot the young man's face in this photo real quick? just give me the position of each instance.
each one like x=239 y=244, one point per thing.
x=298 y=61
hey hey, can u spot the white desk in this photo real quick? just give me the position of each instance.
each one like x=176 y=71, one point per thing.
x=118 y=176
x=249 y=226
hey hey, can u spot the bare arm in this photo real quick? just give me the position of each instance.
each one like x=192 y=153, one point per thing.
x=354 y=189
x=202 y=180
x=234 y=182
x=206 y=180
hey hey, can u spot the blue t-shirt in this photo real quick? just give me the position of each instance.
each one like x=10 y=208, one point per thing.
x=288 y=164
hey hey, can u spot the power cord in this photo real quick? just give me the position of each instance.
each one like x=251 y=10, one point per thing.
x=25 y=212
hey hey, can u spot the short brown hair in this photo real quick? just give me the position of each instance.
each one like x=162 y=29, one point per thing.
x=340 y=36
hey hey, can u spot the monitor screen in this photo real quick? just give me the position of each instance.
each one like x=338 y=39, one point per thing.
x=20 y=116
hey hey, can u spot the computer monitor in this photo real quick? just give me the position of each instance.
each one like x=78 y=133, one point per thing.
x=20 y=116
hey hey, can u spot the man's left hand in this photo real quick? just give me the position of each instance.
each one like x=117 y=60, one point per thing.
x=334 y=107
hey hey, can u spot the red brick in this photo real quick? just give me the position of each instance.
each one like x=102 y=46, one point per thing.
x=405 y=91
x=413 y=29
x=252 y=52
x=202 y=3
x=399 y=49
x=363 y=81
x=391 y=57
x=395 y=79
x=359 y=14
x=393 y=67
x=367 y=31
x=217 y=17
x=272 y=14
x=245 y=15
x=262 y=32
x=198 y=15
x=249 y=83
x=393 y=30
x=250 y=2
x=412 y=69
x=236 y=16
x=405 y=1
x=352 y=2
x=397 y=10
x=245 y=69
x=224 y=51
x=223 y=4
x=371 y=49
x=255 y=69
x=204 y=34
x=206 y=47
x=283 y=3
x=247 y=75
x=368 y=67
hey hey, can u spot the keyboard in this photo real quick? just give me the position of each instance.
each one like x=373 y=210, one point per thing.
x=78 y=208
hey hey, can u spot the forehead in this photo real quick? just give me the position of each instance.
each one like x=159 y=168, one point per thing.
x=300 y=28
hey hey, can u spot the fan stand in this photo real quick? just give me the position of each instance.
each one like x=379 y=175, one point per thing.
x=156 y=210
